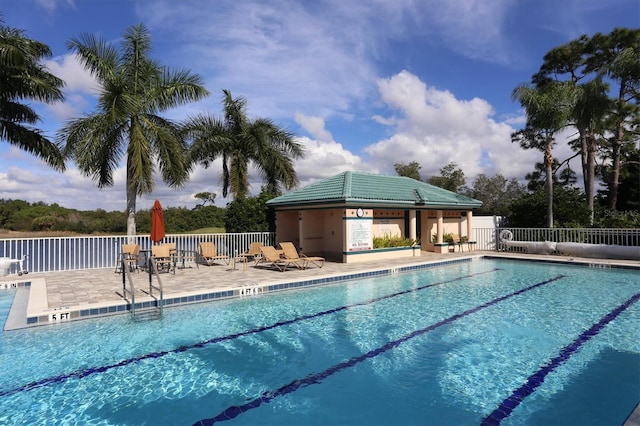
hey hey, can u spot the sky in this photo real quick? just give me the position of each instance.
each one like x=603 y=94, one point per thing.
x=363 y=84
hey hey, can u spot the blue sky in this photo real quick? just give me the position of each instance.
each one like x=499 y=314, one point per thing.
x=363 y=84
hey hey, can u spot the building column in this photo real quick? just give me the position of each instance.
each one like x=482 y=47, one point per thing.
x=469 y=225
x=412 y=225
x=440 y=225
x=300 y=231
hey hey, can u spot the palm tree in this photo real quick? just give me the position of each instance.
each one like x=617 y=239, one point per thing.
x=240 y=141
x=548 y=108
x=590 y=110
x=135 y=89
x=23 y=77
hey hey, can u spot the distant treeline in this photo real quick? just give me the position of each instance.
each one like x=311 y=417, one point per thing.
x=19 y=215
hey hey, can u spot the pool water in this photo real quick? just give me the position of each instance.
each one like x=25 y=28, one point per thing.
x=477 y=342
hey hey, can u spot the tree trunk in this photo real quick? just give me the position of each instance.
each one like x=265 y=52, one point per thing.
x=548 y=166
x=615 y=154
x=589 y=188
x=132 y=195
x=583 y=158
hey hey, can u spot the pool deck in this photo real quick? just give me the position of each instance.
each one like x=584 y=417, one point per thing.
x=45 y=298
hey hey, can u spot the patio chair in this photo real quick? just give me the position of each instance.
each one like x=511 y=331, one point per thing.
x=173 y=252
x=291 y=253
x=253 y=253
x=130 y=257
x=163 y=259
x=456 y=242
x=207 y=251
x=271 y=256
x=172 y=248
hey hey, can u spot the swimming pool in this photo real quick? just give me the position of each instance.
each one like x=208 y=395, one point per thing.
x=485 y=341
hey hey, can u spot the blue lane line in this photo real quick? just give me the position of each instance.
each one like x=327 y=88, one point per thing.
x=89 y=371
x=315 y=378
x=509 y=404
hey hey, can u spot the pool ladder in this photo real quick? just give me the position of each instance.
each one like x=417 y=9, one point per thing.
x=151 y=309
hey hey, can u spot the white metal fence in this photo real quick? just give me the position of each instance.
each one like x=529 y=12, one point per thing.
x=72 y=253
x=489 y=238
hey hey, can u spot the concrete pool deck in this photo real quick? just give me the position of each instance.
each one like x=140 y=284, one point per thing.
x=45 y=298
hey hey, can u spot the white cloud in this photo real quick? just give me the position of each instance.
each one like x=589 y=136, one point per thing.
x=474 y=28
x=326 y=159
x=81 y=88
x=315 y=126
x=52 y=5
x=283 y=56
x=76 y=77
x=434 y=128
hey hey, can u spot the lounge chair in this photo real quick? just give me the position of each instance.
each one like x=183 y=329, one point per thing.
x=207 y=251
x=163 y=258
x=130 y=257
x=271 y=256
x=290 y=253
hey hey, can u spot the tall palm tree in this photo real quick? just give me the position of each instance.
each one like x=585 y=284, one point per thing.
x=590 y=110
x=240 y=141
x=23 y=77
x=135 y=89
x=548 y=108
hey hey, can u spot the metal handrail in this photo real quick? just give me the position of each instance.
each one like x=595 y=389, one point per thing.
x=152 y=269
x=126 y=276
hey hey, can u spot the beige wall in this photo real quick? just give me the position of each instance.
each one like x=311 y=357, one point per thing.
x=388 y=223
x=325 y=231
x=321 y=231
x=380 y=255
x=287 y=227
x=313 y=231
x=451 y=224
x=332 y=234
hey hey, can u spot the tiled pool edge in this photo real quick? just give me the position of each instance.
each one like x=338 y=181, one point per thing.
x=585 y=262
x=43 y=316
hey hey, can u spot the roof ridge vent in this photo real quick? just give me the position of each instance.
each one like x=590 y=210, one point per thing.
x=347 y=185
x=421 y=196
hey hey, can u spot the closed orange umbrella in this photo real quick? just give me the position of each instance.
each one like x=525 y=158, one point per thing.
x=157 y=222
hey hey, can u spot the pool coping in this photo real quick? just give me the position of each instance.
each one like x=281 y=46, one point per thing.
x=36 y=312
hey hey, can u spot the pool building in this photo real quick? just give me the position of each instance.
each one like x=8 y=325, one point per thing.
x=338 y=217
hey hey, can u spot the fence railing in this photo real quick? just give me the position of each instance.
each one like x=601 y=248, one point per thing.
x=73 y=253
x=51 y=254
x=489 y=238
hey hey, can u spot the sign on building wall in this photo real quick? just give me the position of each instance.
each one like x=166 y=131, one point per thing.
x=359 y=236
x=387 y=227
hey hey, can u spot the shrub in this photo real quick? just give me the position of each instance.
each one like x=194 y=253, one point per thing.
x=387 y=242
x=446 y=238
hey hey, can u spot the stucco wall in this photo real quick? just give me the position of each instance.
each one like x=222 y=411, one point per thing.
x=287 y=227
x=333 y=236
x=388 y=223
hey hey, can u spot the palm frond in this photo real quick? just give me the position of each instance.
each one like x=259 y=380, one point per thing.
x=31 y=140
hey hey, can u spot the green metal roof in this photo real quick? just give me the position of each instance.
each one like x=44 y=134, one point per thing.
x=368 y=189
